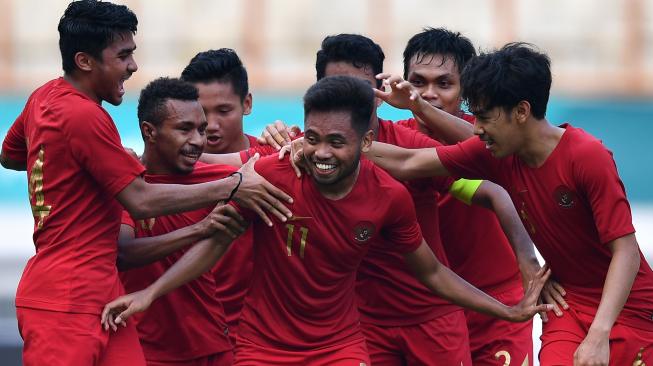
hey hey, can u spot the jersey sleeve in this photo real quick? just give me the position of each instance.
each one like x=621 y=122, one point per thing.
x=126 y=219
x=596 y=171
x=14 y=145
x=95 y=145
x=263 y=150
x=464 y=189
x=401 y=224
x=469 y=159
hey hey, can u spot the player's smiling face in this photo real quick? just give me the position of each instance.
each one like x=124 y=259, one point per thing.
x=332 y=149
x=180 y=139
x=498 y=129
x=115 y=67
x=224 y=113
x=438 y=81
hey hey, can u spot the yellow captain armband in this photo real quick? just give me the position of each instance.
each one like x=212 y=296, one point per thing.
x=464 y=189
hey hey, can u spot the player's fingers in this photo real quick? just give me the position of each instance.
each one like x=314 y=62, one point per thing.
x=383 y=75
x=276 y=197
x=231 y=211
x=295 y=131
x=557 y=297
x=276 y=135
x=284 y=150
x=543 y=308
x=383 y=95
x=122 y=317
x=393 y=80
x=296 y=162
x=558 y=287
x=269 y=138
x=283 y=131
x=546 y=296
x=275 y=207
x=259 y=211
x=403 y=85
x=543 y=315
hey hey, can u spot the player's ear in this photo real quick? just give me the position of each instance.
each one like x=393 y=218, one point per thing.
x=148 y=130
x=247 y=104
x=522 y=111
x=84 y=61
x=368 y=137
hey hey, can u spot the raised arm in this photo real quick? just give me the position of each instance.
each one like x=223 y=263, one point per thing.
x=401 y=94
x=406 y=164
x=231 y=159
x=445 y=283
x=136 y=252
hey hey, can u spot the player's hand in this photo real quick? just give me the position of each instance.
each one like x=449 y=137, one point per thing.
x=131 y=152
x=259 y=195
x=225 y=220
x=593 y=351
x=553 y=293
x=398 y=92
x=528 y=306
x=277 y=134
x=296 y=151
x=117 y=311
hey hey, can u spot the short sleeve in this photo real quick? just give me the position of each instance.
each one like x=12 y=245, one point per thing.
x=263 y=150
x=469 y=159
x=126 y=219
x=95 y=144
x=596 y=171
x=401 y=224
x=14 y=145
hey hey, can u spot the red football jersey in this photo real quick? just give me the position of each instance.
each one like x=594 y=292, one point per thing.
x=302 y=292
x=469 y=234
x=233 y=272
x=75 y=166
x=572 y=206
x=188 y=322
x=388 y=292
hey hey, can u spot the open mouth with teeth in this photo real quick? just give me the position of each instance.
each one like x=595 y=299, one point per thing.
x=489 y=143
x=212 y=139
x=192 y=156
x=325 y=168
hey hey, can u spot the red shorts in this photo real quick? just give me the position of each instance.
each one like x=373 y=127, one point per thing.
x=225 y=358
x=495 y=342
x=439 y=341
x=561 y=336
x=54 y=338
x=350 y=354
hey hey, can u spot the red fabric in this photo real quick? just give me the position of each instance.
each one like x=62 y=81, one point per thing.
x=349 y=354
x=63 y=339
x=492 y=340
x=233 y=274
x=434 y=342
x=75 y=165
x=468 y=234
x=188 y=322
x=302 y=303
x=225 y=358
x=388 y=292
x=572 y=206
x=562 y=336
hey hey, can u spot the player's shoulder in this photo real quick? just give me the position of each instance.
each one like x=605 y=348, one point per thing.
x=273 y=169
x=377 y=178
x=582 y=145
x=208 y=172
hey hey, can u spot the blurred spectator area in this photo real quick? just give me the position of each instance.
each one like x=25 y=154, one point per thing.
x=598 y=47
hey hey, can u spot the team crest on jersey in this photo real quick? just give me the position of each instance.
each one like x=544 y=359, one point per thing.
x=363 y=231
x=565 y=197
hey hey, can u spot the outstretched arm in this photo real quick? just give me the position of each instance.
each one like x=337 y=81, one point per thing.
x=443 y=282
x=231 y=159
x=401 y=94
x=406 y=164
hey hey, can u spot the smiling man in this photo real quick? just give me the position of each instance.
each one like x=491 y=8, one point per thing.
x=565 y=184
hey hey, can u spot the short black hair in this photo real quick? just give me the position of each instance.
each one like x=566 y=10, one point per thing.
x=90 y=26
x=505 y=77
x=439 y=41
x=221 y=65
x=355 y=49
x=342 y=93
x=153 y=98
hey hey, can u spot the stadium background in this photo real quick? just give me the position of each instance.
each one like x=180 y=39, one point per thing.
x=602 y=53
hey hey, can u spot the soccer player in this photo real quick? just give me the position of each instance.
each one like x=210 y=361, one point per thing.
x=221 y=79
x=172 y=124
x=433 y=62
x=78 y=177
x=393 y=304
x=301 y=308
x=565 y=185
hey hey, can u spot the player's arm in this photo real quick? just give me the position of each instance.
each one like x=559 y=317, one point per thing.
x=231 y=159
x=401 y=94
x=625 y=262
x=406 y=164
x=136 y=252
x=448 y=285
x=144 y=200
x=9 y=163
x=197 y=260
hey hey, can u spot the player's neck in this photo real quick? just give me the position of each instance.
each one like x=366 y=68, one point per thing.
x=541 y=138
x=82 y=85
x=155 y=165
x=341 y=189
x=238 y=145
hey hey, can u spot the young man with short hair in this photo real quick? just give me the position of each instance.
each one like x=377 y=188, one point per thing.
x=565 y=184
x=301 y=307
x=79 y=175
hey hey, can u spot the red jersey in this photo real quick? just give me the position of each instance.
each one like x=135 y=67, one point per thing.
x=302 y=292
x=188 y=322
x=572 y=206
x=233 y=272
x=75 y=166
x=388 y=292
x=469 y=234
